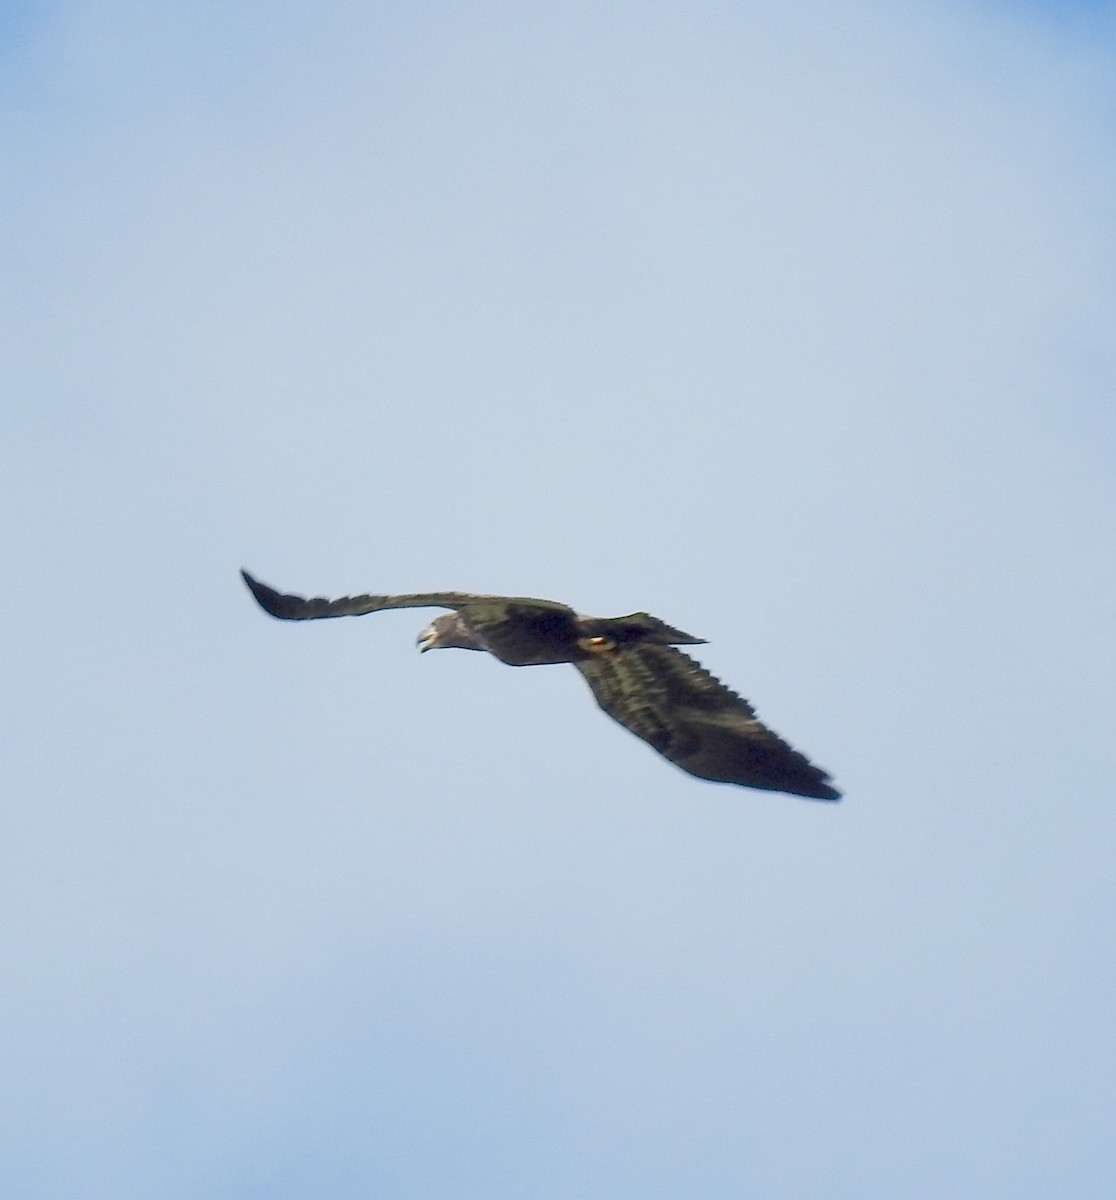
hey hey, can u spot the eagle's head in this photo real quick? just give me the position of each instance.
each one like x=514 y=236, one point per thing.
x=450 y=631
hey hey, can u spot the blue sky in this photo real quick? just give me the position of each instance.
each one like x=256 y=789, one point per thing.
x=794 y=328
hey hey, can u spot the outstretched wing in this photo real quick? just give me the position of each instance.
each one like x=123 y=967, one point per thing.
x=518 y=630
x=296 y=608
x=693 y=720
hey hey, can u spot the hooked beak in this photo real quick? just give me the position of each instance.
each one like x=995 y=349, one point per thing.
x=427 y=640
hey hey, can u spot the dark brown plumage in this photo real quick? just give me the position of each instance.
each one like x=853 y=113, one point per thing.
x=630 y=663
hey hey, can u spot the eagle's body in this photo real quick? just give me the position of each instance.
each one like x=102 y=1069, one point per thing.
x=630 y=663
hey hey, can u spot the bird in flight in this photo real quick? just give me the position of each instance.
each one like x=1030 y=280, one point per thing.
x=630 y=663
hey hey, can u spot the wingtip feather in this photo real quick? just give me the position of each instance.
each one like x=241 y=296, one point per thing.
x=273 y=603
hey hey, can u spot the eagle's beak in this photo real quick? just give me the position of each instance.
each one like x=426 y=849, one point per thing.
x=427 y=640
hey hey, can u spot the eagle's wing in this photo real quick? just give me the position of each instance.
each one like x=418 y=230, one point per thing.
x=296 y=608
x=692 y=719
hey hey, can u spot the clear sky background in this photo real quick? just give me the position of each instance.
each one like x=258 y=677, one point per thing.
x=791 y=324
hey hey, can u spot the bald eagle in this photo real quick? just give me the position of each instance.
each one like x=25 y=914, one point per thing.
x=630 y=663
